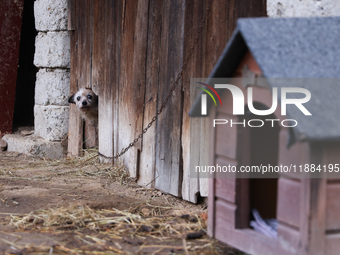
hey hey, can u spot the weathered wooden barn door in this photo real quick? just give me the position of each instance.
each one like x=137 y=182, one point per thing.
x=219 y=26
x=10 y=30
x=130 y=52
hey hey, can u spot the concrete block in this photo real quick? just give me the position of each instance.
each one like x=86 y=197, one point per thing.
x=303 y=8
x=52 y=49
x=52 y=87
x=50 y=15
x=35 y=146
x=51 y=122
x=3 y=144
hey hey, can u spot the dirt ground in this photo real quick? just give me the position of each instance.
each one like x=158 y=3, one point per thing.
x=78 y=206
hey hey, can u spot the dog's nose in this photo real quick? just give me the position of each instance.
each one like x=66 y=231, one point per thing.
x=84 y=103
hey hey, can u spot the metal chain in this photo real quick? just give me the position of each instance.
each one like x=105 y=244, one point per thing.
x=172 y=89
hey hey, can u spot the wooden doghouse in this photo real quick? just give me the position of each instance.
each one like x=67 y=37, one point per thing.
x=307 y=209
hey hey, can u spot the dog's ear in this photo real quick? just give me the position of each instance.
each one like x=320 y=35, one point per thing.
x=71 y=99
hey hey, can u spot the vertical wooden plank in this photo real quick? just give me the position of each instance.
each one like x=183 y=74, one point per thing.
x=243 y=8
x=225 y=187
x=99 y=44
x=313 y=219
x=139 y=65
x=305 y=192
x=214 y=40
x=333 y=206
x=305 y=214
x=117 y=93
x=99 y=51
x=252 y=8
x=71 y=14
x=98 y=62
x=318 y=205
x=75 y=131
x=10 y=24
x=169 y=148
x=108 y=88
x=215 y=37
x=148 y=153
x=74 y=146
x=84 y=29
x=313 y=208
x=127 y=89
x=206 y=145
x=212 y=207
x=138 y=84
x=289 y=193
x=194 y=11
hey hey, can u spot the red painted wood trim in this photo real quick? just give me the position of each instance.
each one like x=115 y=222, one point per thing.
x=10 y=24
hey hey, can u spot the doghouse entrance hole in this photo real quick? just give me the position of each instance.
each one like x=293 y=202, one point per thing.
x=257 y=146
x=24 y=98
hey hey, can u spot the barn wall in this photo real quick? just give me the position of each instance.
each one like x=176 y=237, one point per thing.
x=131 y=52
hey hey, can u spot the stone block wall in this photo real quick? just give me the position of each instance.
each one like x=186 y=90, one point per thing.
x=303 y=8
x=52 y=57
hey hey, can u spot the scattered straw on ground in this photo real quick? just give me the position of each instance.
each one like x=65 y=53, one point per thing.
x=144 y=227
x=113 y=231
x=87 y=165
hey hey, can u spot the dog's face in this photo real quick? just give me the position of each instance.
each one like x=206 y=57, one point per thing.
x=84 y=99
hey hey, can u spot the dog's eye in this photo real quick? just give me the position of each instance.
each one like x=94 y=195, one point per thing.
x=89 y=96
x=78 y=98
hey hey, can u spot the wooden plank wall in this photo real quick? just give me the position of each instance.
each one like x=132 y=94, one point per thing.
x=130 y=52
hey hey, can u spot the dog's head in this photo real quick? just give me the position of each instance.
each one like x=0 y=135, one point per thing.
x=84 y=99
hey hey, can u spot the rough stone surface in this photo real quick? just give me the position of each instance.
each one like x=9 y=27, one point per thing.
x=50 y=15
x=52 y=49
x=51 y=122
x=35 y=146
x=52 y=87
x=3 y=145
x=302 y=8
x=27 y=132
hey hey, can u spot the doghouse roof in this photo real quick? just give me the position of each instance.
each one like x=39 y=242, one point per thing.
x=307 y=48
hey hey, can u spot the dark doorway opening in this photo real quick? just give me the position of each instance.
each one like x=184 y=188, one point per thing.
x=264 y=151
x=24 y=98
x=258 y=146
